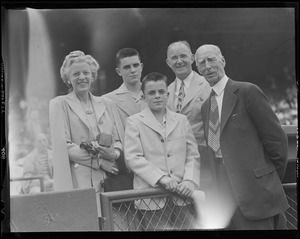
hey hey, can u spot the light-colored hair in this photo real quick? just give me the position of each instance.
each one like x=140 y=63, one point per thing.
x=179 y=42
x=78 y=57
x=218 y=50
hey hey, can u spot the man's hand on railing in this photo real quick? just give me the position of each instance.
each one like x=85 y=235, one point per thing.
x=168 y=183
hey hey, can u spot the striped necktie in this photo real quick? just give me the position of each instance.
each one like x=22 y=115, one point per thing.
x=214 y=126
x=181 y=96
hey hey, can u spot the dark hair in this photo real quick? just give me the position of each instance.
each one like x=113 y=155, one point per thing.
x=154 y=76
x=126 y=52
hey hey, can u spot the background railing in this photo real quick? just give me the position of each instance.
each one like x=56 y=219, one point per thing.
x=37 y=177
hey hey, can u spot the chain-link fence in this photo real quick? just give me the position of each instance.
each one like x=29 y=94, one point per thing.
x=292 y=213
x=156 y=209
x=153 y=209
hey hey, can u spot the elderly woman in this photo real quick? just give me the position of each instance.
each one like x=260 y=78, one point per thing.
x=80 y=117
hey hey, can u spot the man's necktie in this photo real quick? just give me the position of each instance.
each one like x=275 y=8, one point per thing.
x=214 y=126
x=181 y=96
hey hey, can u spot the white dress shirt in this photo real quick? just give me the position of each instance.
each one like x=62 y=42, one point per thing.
x=219 y=89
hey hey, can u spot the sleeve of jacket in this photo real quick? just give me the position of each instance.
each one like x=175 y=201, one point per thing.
x=192 y=164
x=269 y=128
x=59 y=115
x=118 y=132
x=134 y=155
x=61 y=164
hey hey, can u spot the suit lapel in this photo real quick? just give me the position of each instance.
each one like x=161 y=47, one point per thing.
x=99 y=106
x=172 y=122
x=171 y=99
x=75 y=105
x=229 y=101
x=149 y=119
x=125 y=103
x=191 y=91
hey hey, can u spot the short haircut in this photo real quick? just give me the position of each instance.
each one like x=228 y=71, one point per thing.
x=179 y=42
x=215 y=47
x=126 y=52
x=154 y=76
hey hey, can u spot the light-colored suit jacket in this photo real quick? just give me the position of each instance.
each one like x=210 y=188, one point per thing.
x=197 y=93
x=124 y=102
x=69 y=127
x=150 y=154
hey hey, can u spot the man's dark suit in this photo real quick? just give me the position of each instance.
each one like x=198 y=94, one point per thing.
x=254 y=149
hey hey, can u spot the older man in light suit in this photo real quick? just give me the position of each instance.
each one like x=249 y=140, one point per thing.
x=195 y=90
x=161 y=150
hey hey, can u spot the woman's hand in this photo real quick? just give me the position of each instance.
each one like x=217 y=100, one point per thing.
x=110 y=167
x=106 y=153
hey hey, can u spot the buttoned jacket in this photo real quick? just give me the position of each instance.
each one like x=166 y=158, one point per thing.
x=151 y=154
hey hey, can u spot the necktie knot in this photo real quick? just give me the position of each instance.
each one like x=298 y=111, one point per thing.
x=212 y=93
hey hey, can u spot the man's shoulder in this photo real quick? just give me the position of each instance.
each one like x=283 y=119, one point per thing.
x=112 y=94
x=242 y=85
x=135 y=117
x=200 y=79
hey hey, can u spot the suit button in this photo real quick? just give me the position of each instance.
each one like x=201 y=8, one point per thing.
x=168 y=155
x=171 y=171
x=162 y=140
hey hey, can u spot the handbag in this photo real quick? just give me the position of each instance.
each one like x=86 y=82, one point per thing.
x=118 y=182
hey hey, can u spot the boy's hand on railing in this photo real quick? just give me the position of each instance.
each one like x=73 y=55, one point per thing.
x=168 y=183
x=185 y=188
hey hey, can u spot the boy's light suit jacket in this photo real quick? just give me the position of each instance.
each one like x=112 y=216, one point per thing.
x=150 y=154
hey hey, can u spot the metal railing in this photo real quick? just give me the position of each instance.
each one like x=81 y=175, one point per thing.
x=38 y=177
x=121 y=213
x=291 y=213
x=132 y=210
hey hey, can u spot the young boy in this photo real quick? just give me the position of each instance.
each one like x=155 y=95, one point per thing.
x=161 y=150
